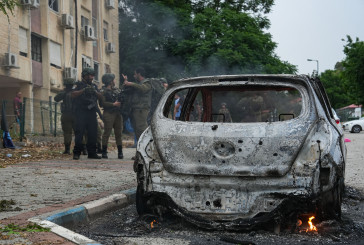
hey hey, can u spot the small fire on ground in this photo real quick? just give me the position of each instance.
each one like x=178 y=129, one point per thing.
x=152 y=223
x=310 y=226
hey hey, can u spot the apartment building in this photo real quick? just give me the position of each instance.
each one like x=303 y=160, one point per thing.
x=49 y=40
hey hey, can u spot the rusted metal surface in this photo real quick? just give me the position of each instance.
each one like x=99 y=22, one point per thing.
x=244 y=171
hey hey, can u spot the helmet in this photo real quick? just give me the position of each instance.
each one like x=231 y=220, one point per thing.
x=163 y=80
x=88 y=71
x=68 y=81
x=108 y=78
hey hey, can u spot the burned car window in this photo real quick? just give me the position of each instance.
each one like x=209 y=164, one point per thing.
x=235 y=104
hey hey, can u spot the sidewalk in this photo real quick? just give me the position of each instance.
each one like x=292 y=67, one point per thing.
x=42 y=187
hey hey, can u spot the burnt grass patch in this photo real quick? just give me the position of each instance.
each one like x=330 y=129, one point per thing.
x=7 y=206
x=124 y=226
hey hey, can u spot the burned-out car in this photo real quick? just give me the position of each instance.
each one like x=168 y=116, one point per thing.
x=246 y=150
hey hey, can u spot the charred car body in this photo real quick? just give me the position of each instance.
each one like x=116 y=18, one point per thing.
x=247 y=150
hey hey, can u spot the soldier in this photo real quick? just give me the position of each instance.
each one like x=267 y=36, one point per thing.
x=67 y=118
x=140 y=100
x=85 y=96
x=112 y=114
x=224 y=114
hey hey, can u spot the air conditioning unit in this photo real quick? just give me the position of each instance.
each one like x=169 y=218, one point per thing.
x=11 y=60
x=110 y=48
x=35 y=4
x=67 y=21
x=110 y=4
x=26 y=2
x=89 y=33
x=30 y=3
x=53 y=82
x=70 y=72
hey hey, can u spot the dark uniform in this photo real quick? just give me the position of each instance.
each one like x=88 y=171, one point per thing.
x=85 y=109
x=112 y=115
x=67 y=118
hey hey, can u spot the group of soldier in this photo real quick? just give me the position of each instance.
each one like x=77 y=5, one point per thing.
x=80 y=107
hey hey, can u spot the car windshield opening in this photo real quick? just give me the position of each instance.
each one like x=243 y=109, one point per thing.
x=235 y=104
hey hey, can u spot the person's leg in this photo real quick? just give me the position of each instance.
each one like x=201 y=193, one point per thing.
x=140 y=120
x=91 y=127
x=118 y=129
x=66 y=121
x=79 y=132
x=108 y=124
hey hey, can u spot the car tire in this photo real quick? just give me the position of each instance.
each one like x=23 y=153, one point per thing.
x=356 y=129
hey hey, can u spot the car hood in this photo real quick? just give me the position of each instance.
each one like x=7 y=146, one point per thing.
x=230 y=149
x=355 y=122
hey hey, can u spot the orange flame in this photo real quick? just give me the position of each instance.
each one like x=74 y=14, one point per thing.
x=152 y=223
x=312 y=227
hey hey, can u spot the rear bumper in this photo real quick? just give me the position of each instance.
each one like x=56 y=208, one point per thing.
x=229 y=198
x=285 y=213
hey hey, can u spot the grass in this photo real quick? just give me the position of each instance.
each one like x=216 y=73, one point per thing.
x=16 y=229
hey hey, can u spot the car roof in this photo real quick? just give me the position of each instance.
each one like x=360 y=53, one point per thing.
x=242 y=77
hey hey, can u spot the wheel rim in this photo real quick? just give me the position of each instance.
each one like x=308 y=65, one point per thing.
x=356 y=129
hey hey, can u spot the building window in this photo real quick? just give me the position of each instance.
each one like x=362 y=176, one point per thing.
x=94 y=25
x=53 y=4
x=86 y=62
x=55 y=54
x=105 y=31
x=84 y=21
x=36 y=48
x=107 y=68
x=23 y=42
x=96 y=69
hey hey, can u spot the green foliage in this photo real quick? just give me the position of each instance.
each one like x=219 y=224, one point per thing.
x=354 y=67
x=8 y=5
x=16 y=229
x=176 y=39
x=337 y=88
x=345 y=85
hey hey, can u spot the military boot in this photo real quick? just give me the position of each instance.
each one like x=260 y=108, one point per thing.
x=104 y=151
x=99 y=149
x=76 y=156
x=67 y=149
x=93 y=156
x=120 y=152
x=84 y=150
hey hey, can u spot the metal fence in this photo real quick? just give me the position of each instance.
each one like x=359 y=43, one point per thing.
x=38 y=117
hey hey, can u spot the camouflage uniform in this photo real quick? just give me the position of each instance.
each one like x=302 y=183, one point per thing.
x=112 y=116
x=67 y=118
x=140 y=106
x=224 y=115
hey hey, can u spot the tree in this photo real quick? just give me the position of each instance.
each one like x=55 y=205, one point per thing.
x=337 y=88
x=354 y=67
x=190 y=38
x=8 y=5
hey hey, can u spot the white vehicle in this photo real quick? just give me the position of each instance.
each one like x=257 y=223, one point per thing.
x=247 y=150
x=354 y=126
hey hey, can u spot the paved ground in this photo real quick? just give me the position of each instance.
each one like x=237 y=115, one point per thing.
x=42 y=187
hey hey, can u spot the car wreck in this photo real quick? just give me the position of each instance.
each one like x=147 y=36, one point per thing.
x=247 y=150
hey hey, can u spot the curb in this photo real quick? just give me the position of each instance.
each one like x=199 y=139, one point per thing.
x=57 y=221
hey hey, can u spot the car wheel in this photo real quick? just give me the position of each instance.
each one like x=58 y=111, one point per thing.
x=356 y=129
